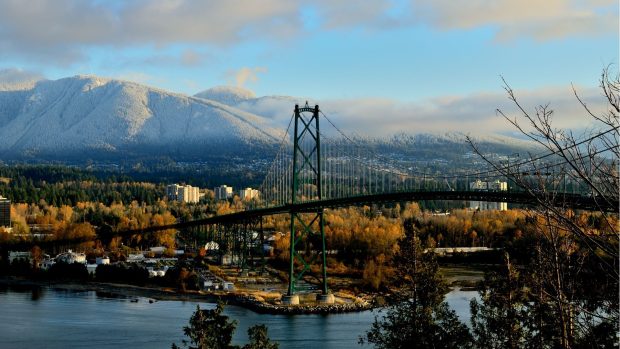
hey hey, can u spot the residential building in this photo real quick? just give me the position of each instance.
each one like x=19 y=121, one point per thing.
x=18 y=255
x=5 y=212
x=496 y=185
x=71 y=257
x=183 y=193
x=102 y=260
x=47 y=263
x=172 y=191
x=223 y=192
x=248 y=194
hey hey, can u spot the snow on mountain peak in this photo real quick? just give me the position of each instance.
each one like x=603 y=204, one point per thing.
x=84 y=114
x=229 y=95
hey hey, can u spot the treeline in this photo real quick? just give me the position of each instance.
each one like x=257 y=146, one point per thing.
x=552 y=292
x=97 y=224
x=59 y=185
x=363 y=241
x=180 y=277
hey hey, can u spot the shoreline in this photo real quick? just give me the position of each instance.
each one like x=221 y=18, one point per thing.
x=246 y=300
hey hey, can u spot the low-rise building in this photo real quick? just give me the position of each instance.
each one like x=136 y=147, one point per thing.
x=17 y=255
x=212 y=246
x=157 y=271
x=102 y=260
x=71 y=257
x=47 y=263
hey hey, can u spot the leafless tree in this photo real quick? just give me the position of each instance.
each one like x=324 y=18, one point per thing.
x=586 y=164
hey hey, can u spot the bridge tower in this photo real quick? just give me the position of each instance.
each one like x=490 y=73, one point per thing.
x=307 y=239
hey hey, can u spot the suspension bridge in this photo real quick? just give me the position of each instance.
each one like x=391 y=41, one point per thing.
x=319 y=167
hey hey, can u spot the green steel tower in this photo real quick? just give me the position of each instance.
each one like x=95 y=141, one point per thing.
x=307 y=243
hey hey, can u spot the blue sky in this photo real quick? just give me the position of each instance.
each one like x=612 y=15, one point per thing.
x=405 y=51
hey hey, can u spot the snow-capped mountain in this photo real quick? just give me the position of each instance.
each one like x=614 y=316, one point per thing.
x=88 y=117
x=91 y=115
x=278 y=110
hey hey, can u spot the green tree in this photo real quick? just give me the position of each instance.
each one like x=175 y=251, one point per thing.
x=421 y=319
x=499 y=320
x=259 y=339
x=209 y=329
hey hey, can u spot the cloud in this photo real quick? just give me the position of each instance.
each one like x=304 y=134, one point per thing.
x=140 y=77
x=62 y=31
x=475 y=113
x=246 y=74
x=15 y=78
x=541 y=20
x=191 y=57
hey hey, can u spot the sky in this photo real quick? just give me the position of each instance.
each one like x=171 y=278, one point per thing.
x=386 y=57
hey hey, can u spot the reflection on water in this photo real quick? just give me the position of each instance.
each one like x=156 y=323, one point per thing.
x=36 y=293
x=51 y=318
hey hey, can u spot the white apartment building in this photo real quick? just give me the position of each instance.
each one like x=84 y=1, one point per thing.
x=223 y=192
x=183 y=193
x=248 y=194
x=496 y=185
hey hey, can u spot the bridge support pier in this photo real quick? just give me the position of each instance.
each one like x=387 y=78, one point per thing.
x=290 y=299
x=325 y=298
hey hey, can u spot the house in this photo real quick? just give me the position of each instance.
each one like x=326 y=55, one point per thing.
x=102 y=260
x=71 y=257
x=47 y=263
x=16 y=255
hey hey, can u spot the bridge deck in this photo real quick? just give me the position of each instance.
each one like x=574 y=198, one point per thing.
x=575 y=201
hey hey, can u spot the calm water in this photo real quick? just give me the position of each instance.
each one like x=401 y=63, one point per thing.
x=48 y=318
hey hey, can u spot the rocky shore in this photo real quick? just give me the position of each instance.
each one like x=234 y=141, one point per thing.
x=246 y=300
x=268 y=308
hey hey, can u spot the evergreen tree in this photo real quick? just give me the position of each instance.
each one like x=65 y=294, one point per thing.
x=499 y=321
x=210 y=329
x=421 y=319
x=259 y=338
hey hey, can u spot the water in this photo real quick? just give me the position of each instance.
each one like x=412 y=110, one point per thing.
x=49 y=318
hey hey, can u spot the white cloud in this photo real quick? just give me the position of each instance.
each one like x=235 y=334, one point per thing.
x=245 y=75
x=541 y=20
x=140 y=77
x=474 y=113
x=192 y=57
x=15 y=78
x=61 y=31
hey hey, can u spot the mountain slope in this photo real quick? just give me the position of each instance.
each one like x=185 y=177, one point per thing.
x=84 y=115
x=449 y=144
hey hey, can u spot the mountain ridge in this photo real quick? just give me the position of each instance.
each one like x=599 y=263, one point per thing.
x=87 y=116
x=85 y=112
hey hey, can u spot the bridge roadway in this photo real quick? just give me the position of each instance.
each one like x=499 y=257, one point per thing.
x=575 y=201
